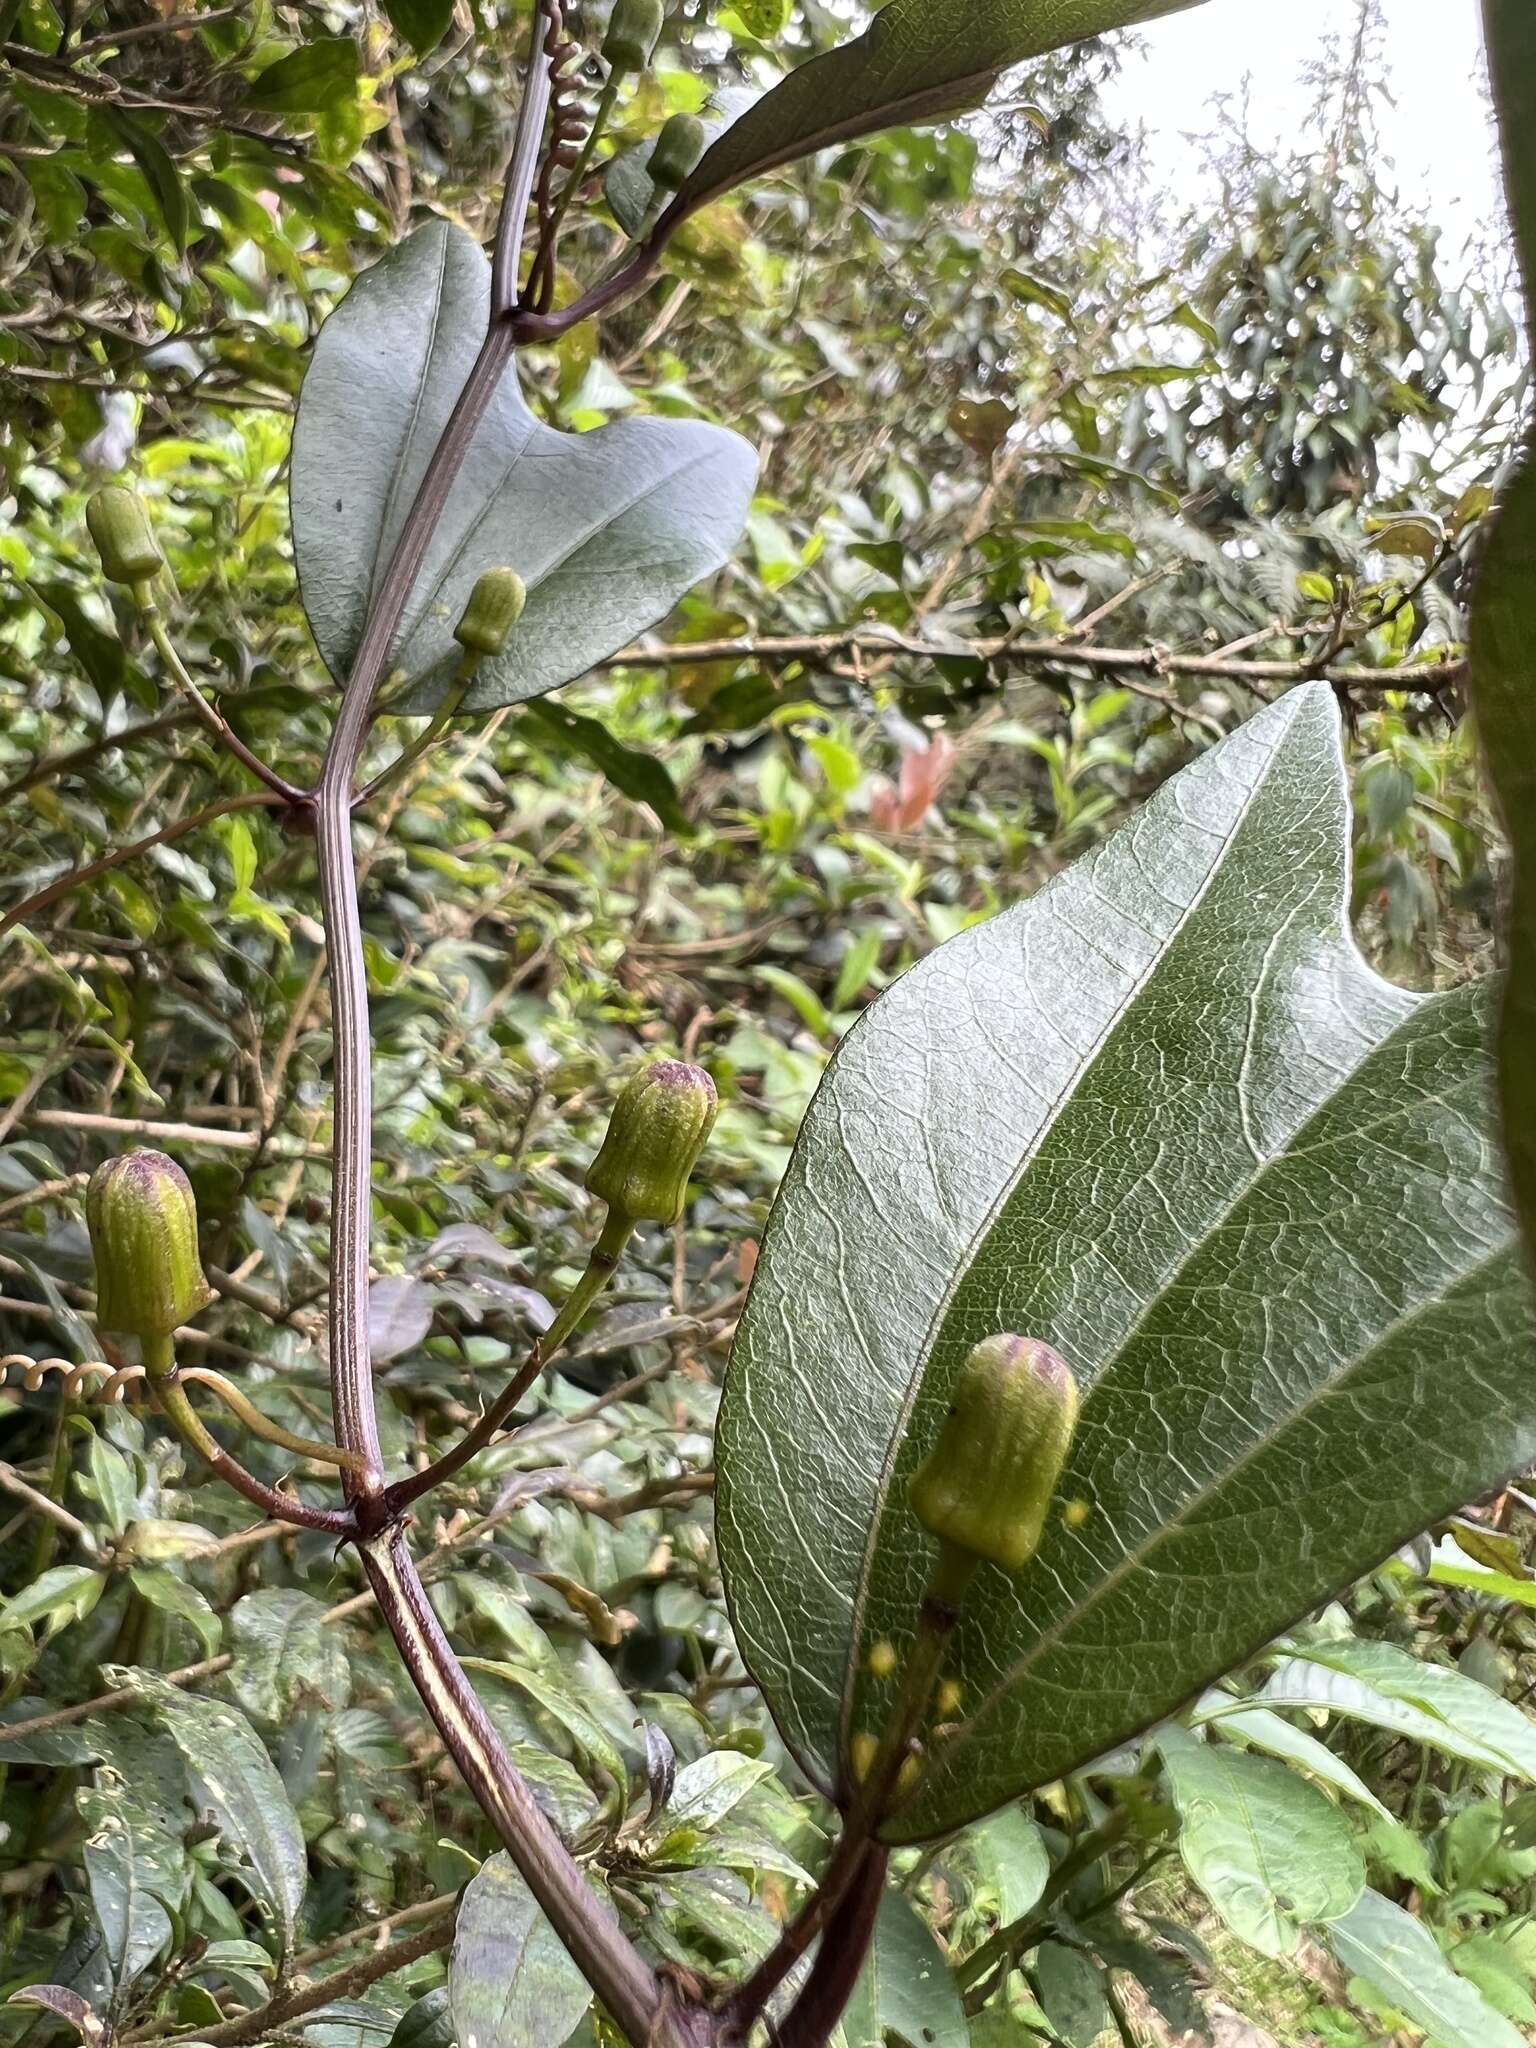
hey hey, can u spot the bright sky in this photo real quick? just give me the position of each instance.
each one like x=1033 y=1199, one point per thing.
x=1438 y=134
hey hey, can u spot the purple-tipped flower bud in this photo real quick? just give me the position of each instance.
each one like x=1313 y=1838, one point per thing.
x=634 y=28
x=123 y=537
x=676 y=150
x=986 y=1486
x=494 y=608
x=657 y=1131
x=142 y=1217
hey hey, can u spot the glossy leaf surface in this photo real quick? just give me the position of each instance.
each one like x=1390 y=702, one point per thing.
x=236 y=1784
x=1163 y=1117
x=607 y=529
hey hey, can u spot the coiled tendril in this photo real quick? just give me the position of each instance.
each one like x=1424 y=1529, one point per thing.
x=568 y=122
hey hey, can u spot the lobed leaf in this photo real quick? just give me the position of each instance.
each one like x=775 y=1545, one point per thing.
x=607 y=529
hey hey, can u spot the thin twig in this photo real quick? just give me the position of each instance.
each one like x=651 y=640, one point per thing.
x=77 y=878
x=1431 y=677
x=13 y=1482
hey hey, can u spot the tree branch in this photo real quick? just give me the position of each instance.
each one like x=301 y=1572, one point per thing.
x=1429 y=677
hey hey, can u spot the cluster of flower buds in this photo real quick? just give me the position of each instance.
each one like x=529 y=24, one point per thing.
x=986 y=1487
x=634 y=28
x=142 y=1218
x=659 y=1127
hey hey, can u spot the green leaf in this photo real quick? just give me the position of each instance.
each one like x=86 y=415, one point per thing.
x=426 y=2024
x=162 y=1589
x=53 y=1746
x=607 y=529
x=1029 y=289
x=1504 y=628
x=1398 y=1956
x=285 y=1657
x=1070 y=1987
x=1491 y=1966
x=316 y=78
x=1011 y=1850
x=905 y=1987
x=159 y=170
x=235 y=1781
x=705 y=1790
x=919 y=60
x=1379 y=1683
x=640 y=777
x=511 y=1983
x=133 y=1869
x=1118 y=1118
x=423 y=23
x=763 y=18
x=1269 y=1851
x=1258 y=1728
x=58 y=1596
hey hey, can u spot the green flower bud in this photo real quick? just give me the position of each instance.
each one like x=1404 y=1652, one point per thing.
x=986 y=1486
x=656 y=1134
x=143 y=1223
x=634 y=29
x=676 y=150
x=119 y=526
x=494 y=608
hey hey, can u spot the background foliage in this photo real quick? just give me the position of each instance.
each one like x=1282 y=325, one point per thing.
x=1014 y=423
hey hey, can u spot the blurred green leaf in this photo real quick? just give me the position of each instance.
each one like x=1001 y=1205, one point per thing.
x=511 y=1983
x=313 y=79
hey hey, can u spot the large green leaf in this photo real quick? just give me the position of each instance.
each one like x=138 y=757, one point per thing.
x=607 y=529
x=1386 y=1687
x=919 y=60
x=132 y=1867
x=1504 y=626
x=1269 y=1851
x=1164 y=1117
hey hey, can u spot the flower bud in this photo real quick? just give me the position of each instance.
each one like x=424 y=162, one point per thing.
x=634 y=28
x=986 y=1486
x=142 y=1218
x=676 y=150
x=656 y=1134
x=494 y=608
x=124 y=539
